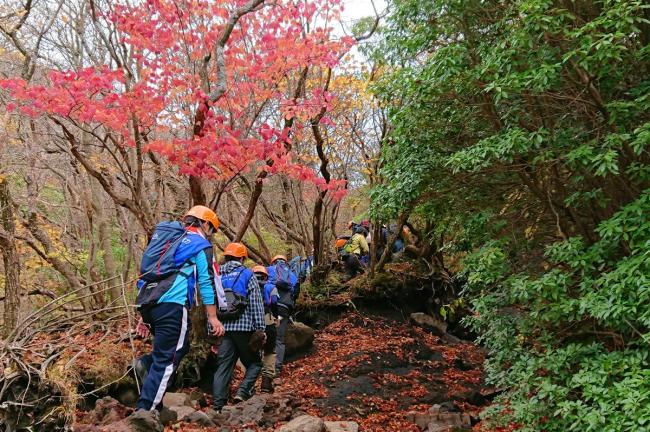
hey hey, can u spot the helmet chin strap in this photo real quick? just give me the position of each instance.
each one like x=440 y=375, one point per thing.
x=207 y=232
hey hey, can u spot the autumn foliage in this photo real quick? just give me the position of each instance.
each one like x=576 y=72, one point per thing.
x=213 y=112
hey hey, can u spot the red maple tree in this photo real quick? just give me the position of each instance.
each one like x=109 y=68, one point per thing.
x=213 y=85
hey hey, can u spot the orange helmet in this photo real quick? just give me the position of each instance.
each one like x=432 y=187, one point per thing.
x=278 y=257
x=340 y=243
x=260 y=269
x=236 y=250
x=205 y=214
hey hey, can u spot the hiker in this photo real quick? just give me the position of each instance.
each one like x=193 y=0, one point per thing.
x=356 y=248
x=178 y=257
x=270 y=295
x=286 y=282
x=243 y=320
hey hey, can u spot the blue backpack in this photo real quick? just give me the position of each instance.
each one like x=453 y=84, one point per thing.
x=169 y=249
x=235 y=287
x=285 y=286
x=283 y=277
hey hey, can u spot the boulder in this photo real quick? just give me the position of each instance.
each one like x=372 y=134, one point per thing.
x=263 y=410
x=421 y=319
x=107 y=410
x=182 y=411
x=305 y=423
x=438 y=419
x=168 y=416
x=199 y=418
x=249 y=411
x=198 y=397
x=140 y=421
x=176 y=400
x=341 y=426
x=299 y=337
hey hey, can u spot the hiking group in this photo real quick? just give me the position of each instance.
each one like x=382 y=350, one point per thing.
x=248 y=310
x=354 y=251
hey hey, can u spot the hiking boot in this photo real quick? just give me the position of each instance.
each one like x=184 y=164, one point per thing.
x=239 y=398
x=145 y=421
x=267 y=385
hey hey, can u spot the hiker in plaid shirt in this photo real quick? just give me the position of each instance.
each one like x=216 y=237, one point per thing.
x=244 y=328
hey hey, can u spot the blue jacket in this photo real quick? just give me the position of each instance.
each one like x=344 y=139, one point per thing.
x=253 y=317
x=199 y=269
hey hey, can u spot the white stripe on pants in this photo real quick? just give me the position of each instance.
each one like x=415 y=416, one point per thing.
x=170 y=369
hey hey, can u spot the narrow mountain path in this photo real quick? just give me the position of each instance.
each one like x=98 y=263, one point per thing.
x=374 y=371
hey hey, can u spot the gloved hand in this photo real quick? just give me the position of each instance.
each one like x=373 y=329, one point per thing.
x=257 y=340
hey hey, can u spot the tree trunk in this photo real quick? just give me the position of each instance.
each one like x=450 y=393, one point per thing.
x=374 y=246
x=392 y=239
x=10 y=258
x=109 y=259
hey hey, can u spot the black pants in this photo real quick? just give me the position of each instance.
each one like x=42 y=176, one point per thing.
x=235 y=345
x=352 y=265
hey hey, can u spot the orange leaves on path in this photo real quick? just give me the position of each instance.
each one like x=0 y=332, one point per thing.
x=374 y=371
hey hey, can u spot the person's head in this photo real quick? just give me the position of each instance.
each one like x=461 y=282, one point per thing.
x=358 y=229
x=235 y=252
x=340 y=243
x=261 y=272
x=278 y=258
x=203 y=218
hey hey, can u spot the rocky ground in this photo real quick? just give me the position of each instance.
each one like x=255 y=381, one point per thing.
x=364 y=373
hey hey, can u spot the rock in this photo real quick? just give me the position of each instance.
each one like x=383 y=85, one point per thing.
x=341 y=426
x=263 y=410
x=182 y=411
x=422 y=420
x=438 y=419
x=427 y=321
x=198 y=397
x=85 y=428
x=168 y=416
x=121 y=426
x=249 y=411
x=177 y=399
x=305 y=423
x=299 y=337
x=142 y=421
x=199 y=418
x=107 y=410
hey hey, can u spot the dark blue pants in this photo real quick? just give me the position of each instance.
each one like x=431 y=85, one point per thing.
x=170 y=326
x=233 y=346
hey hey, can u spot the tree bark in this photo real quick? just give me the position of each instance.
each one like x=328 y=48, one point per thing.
x=401 y=220
x=10 y=258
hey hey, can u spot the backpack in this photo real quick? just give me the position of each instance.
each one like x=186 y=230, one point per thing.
x=285 y=288
x=169 y=249
x=283 y=277
x=235 y=287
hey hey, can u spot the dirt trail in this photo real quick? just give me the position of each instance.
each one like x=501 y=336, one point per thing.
x=373 y=370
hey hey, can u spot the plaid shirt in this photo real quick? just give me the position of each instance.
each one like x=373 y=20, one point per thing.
x=253 y=317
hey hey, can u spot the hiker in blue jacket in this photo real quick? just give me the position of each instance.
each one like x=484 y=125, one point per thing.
x=243 y=319
x=178 y=258
x=288 y=288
